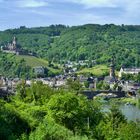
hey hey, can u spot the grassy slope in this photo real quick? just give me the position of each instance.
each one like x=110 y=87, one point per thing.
x=97 y=70
x=34 y=62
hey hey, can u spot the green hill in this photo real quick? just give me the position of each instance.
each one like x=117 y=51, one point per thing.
x=59 y=43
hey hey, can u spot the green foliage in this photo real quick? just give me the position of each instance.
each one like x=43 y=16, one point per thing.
x=86 y=84
x=41 y=113
x=102 y=85
x=22 y=66
x=106 y=86
x=74 y=85
x=129 y=131
x=96 y=42
x=98 y=70
x=32 y=61
x=12 y=124
x=134 y=77
x=38 y=93
x=115 y=127
x=110 y=125
x=72 y=112
x=53 y=131
x=86 y=42
x=58 y=43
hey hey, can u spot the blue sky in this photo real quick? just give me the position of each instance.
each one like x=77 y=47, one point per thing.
x=33 y=13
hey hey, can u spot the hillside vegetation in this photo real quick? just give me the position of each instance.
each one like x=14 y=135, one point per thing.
x=22 y=66
x=97 y=70
x=59 y=43
x=32 y=61
x=43 y=113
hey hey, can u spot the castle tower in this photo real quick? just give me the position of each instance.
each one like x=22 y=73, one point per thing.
x=112 y=68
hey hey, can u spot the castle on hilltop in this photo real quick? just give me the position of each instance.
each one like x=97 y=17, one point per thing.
x=11 y=47
x=15 y=48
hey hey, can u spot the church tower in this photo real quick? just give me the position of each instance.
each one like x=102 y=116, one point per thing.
x=14 y=43
x=112 y=68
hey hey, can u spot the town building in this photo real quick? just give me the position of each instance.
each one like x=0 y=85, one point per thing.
x=128 y=71
x=39 y=70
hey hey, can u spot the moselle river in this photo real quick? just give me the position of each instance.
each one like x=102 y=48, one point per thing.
x=131 y=112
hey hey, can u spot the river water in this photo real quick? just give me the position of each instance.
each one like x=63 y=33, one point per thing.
x=131 y=112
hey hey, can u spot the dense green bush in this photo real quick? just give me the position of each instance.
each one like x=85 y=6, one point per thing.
x=47 y=114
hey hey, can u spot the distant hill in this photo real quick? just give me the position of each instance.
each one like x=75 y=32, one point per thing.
x=59 y=43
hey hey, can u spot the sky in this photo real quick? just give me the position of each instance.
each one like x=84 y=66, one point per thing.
x=36 y=13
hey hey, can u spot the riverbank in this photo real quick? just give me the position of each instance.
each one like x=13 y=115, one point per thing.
x=119 y=101
x=124 y=100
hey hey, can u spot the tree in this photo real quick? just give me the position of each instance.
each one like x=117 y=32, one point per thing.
x=106 y=86
x=99 y=85
x=86 y=84
x=110 y=125
x=53 y=131
x=138 y=78
x=125 y=129
x=73 y=111
x=74 y=85
x=12 y=124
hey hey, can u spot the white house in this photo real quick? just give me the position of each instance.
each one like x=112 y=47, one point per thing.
x=128 y=71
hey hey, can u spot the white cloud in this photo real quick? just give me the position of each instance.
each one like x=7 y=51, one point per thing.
x=132 y=8
x=128 y=5
x=93 y=3
x=31 y=3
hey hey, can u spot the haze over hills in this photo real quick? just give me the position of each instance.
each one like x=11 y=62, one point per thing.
x=59 y=43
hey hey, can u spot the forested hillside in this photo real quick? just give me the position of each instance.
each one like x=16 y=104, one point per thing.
x=93 y=42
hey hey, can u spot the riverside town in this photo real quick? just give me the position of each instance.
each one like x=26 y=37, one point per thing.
x=69 y=70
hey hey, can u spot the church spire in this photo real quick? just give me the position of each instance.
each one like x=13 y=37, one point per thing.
x=112 y=68
x=14 y=42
